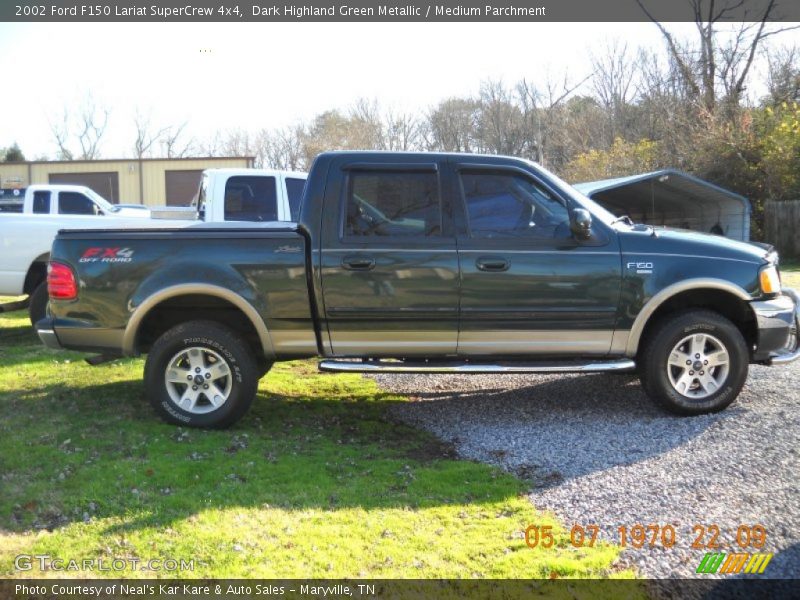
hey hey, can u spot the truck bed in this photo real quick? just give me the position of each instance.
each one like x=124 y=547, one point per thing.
x=125 y=271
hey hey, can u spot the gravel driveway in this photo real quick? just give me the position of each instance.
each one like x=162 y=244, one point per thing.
x=595 y=450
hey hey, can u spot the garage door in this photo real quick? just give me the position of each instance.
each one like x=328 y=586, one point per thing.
x=181 y=186
x=105 y=184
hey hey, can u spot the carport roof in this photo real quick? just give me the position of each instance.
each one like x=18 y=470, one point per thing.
x=672 y=192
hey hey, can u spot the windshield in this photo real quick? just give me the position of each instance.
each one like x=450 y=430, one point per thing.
x=101 y=202
x=199 y=199
x=593 y=207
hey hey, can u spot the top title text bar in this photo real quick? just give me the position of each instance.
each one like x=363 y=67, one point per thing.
x=404 y=11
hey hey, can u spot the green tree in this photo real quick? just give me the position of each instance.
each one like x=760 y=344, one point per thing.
x=780 y=150
x=12 y=154
x=622 y=159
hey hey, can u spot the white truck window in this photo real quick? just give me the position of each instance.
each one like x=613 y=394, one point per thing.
x=73 y=203
x=294 y=189
x=250 y=198
x=41 y=202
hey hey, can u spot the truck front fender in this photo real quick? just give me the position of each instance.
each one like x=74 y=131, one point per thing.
x=708 y=283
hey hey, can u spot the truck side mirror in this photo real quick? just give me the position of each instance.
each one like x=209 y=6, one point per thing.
x=580 y=223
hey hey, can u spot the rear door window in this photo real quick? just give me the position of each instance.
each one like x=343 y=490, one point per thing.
x=41 y=202
x=294 y=190
x=392 y=203
x=249 y=198
x=73 y=203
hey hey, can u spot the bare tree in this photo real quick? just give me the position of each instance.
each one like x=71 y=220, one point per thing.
x=366 y=125
x=718 y=64
x=86 y=125
x=174 y=144
x=545 y=112
x=93 y=121
x=402 y=131
x=282 y=149
x=60 y=131
x=501 y=125
x=614 y=84
x=783 y=77
x=146 y=136
x=452 y=125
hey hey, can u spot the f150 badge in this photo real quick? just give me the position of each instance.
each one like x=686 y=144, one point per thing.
x=642 y=268
x=107 y=255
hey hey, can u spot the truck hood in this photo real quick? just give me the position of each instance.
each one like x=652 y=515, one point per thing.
x=133 y=212
x=683 y=241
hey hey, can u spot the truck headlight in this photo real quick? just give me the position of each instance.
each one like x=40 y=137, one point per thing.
x=770 y=280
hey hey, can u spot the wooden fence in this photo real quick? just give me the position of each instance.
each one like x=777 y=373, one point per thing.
x=782 y=227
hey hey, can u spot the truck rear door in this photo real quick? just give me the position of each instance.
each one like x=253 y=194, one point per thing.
x=528 y=287
x=389 y=263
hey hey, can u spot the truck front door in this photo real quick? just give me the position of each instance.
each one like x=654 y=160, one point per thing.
x=390 y=268
x=528 y=287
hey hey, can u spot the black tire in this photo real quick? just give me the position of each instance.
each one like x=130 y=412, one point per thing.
x=37 y=303
x=655 y=370
x=211 y=341
x=263 y=368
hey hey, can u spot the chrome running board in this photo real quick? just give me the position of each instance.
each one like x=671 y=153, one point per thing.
x=380 y=366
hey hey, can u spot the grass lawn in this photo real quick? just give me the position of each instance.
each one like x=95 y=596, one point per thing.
x=316 y=481
x=790 y=275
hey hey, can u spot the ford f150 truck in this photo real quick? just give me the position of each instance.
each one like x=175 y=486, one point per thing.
x=65 y=199
x=406 y=262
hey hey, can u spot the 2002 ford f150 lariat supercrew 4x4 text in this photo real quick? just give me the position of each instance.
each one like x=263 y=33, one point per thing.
x=426 y=263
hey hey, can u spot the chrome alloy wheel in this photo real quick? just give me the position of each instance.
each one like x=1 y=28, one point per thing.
x=698 y=366
x=198 y=380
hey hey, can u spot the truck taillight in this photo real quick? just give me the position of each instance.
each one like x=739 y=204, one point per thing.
x=61 y=283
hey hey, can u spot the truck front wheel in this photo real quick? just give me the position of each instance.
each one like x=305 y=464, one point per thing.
x=694 y=362
x=200 y=374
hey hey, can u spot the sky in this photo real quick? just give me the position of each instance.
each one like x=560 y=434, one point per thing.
x=264 y=75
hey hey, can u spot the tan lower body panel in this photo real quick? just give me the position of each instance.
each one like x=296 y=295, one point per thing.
x=486 y=343
x=394 y=343
x=472 y=343
x=293 y=342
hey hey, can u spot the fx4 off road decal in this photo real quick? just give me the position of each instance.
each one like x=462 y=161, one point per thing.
x=107 y=255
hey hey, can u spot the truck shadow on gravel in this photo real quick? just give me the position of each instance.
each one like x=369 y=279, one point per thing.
x=561 y=428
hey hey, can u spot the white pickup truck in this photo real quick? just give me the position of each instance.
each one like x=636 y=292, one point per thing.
x=25 y=242
x=223 y=195
x=63 y=199
x=249 y=195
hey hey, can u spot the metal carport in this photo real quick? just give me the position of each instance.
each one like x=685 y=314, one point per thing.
x=674 y=199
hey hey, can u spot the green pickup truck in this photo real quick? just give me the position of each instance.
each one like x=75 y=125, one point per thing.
x=415 y=262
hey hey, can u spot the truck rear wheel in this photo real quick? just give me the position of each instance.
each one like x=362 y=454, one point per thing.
x=200 y=374
x=37 y=303
x=695 y=362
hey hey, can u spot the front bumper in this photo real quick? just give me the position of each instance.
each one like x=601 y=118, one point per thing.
x=778 y=321
x=47 y=334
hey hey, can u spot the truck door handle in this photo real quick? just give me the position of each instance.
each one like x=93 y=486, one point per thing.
x=358 y=263
x=492 y=264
